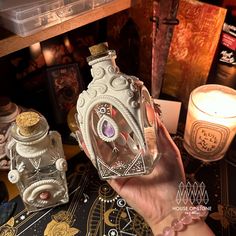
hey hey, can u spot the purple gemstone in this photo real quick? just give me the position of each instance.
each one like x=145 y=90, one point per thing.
x=107 y=129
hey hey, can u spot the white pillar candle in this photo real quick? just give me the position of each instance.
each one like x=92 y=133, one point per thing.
x=211 y=121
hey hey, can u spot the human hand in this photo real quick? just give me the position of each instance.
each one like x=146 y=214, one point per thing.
x=153 y=196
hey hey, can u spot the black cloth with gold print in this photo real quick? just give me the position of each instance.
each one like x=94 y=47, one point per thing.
x=94 y=209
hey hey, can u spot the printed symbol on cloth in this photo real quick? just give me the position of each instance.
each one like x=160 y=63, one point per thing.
x=60 y=228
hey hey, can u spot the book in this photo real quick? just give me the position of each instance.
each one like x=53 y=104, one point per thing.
x=192 y=48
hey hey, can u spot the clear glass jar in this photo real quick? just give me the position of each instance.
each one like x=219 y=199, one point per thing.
x=116 y=119
x=38 y=164
x=8 y=113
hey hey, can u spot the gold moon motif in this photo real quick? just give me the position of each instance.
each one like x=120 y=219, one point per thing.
x=106 y=217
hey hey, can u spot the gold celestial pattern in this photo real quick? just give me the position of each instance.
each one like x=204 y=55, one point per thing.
x=59 y=229
x=7 y=230
x=94 y=209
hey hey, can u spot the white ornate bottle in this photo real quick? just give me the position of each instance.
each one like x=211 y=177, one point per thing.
x=37 y=162
x=116 y=119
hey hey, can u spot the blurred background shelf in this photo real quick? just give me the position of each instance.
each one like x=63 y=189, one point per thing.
x=10 y=42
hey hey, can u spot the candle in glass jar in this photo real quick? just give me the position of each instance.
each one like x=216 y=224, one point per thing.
x=211 y=121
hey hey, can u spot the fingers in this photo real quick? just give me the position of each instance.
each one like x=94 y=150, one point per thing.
x=171 y=157
x=164 y=141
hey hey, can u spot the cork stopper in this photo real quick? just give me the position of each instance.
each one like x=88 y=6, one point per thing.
x=98 y=48
x=27 y=122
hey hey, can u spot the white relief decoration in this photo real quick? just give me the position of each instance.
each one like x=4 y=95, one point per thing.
x=119 y=83
x=98 y=72
x=111 y=69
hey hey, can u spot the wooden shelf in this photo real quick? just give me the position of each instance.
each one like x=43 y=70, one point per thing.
x=10 y=42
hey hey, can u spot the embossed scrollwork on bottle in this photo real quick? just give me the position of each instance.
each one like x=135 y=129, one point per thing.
x=80 y=101
x=119 y=83
x=130 y=93
x=98 y=72
x=79 y=117
x=38 y=162
x=99 y=87
x=133 y=95
x=135 y=79
x=112 y=69
x=91 y=93
x=134 y=104
x=133 y=87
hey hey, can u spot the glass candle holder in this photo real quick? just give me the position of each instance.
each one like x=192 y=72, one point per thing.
x=211 y=122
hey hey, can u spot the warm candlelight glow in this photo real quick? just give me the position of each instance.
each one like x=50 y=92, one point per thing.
x=35 y=50
x=48 y=56
x=211 y=121
x=68 y=44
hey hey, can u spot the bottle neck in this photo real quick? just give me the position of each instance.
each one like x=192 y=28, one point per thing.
x=103 y=68
x=109 y=62
x=106 y=58
x=34 y=149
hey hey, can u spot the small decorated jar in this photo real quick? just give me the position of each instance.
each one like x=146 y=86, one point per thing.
x=8 y=113
x=38 y=164
x=116 y=119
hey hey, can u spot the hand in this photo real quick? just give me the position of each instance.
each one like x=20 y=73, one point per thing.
x=153 y=196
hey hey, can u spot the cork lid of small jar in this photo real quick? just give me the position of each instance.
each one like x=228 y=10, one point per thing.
x=27 y=122
x=29 y=126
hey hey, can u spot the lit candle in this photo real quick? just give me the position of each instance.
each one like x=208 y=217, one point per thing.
x=211 y=121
